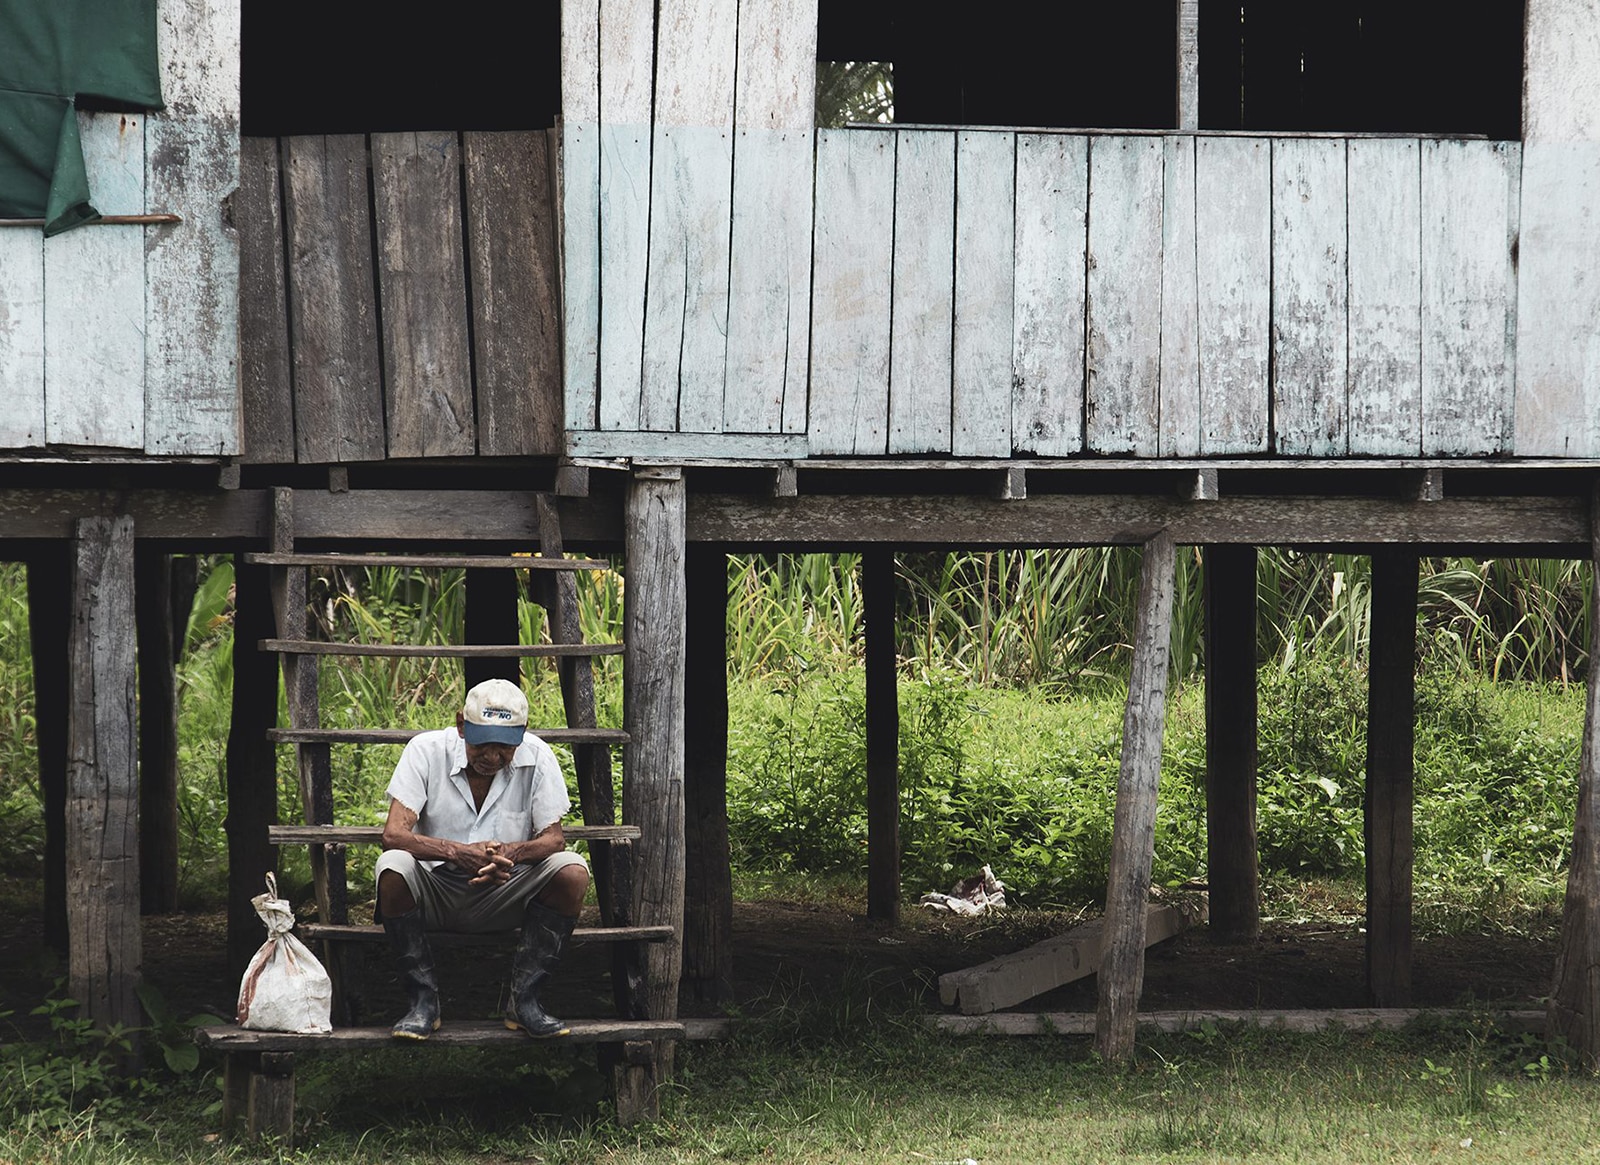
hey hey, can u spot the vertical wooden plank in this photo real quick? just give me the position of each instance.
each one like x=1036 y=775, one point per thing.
x=333 y=324
x=192 y=268
x=1121 y=975
x=1124 y=315
x=851 y=292
x=266 y=394
x=1047 y=322
x=1557 y=404
x=1562 y=67
x=22 y=339
x=1188 y=112
x=102 y=777
x=708 y=876
x=1232 y=863
x=883 y=735
x=627 y=59
x=516 y=325
x=158 y=731
x=1233 y=243
x=251 y=770
x=580 y=210
x=1385 y=297
x=653 y=701
x=1309 y=331
x=769 y=277
x=1391 y=714
x=1180 y=304
x=422 y=285
x=691 y=216
x=986 y=203
x=923 y=306
x=94 y=317
x=1468 y=284
x=1574 y=1010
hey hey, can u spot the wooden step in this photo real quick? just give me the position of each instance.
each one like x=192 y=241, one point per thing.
x=469 y=561
x=454 y=1033
x=401 y=735
x=373 y=834
x=352 y=933
x=437 y=650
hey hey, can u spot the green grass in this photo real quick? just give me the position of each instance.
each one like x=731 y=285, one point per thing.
x=801 y=1086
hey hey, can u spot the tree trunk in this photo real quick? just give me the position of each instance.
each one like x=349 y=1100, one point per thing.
x=708 y=877
x=1231 y=858
x=1391 y=722
x=883 y=736
x=158 y=732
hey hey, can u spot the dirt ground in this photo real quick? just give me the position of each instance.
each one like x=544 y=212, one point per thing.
x=788 y=951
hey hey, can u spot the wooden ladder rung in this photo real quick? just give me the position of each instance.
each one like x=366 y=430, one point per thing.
x=437 y=650
x=373 y=834
x=401 y=735
x=469 y=561
x=582 y=934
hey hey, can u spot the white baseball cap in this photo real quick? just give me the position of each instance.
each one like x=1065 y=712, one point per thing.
x=496 y=712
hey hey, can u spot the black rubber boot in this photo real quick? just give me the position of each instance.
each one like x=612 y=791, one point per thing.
x=409 y=940
x=544 y=937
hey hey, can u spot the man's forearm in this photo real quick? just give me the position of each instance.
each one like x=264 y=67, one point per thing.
x=535 y=849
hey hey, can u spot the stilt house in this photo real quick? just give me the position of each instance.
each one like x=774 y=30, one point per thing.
x=1150 y=273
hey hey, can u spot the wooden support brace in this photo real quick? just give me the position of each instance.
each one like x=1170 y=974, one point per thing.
x=1010 y=484
x=883 y=736
x=1201 y=485
x=338 y=479
x=228 y=476
x=572 y=480
x=1133 y=829
x=270 y=1103
x=785 y=482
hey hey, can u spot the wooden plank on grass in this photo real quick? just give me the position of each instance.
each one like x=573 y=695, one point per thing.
x=1079 y=1023
x=1008 y=980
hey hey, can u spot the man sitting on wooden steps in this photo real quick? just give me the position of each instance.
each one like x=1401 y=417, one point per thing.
x=473 y=843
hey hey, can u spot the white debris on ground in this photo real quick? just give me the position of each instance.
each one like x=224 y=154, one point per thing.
x=979 y=894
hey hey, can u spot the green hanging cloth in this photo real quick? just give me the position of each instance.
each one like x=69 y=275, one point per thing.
x=54 y=53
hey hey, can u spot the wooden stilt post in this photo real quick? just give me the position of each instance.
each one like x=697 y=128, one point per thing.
x=102 y=779
x=653 y=716
x=1133 y=830
x=708 y=877
x=1391 y=716
x=49 y=617
x=883 y=736
x=1230 y=630
x=252 y=777
x=491 y=617
x=1574 y=1012
x=158 y=731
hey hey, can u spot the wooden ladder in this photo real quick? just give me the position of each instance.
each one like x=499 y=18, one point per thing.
x=624 y=1041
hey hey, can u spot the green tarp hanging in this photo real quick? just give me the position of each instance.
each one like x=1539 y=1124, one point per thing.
x=54 y=54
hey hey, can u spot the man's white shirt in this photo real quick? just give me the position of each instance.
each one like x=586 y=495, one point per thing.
x=526 y=796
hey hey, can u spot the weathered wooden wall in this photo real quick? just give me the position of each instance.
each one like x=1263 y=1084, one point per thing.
x=124 y=336
x=399 y=297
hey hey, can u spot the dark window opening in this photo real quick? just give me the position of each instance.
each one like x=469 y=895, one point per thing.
x=316 y=68
x=1077 y=66
x=1389 y=66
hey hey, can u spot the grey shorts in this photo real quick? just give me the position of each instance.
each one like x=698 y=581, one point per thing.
x=449 y=902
